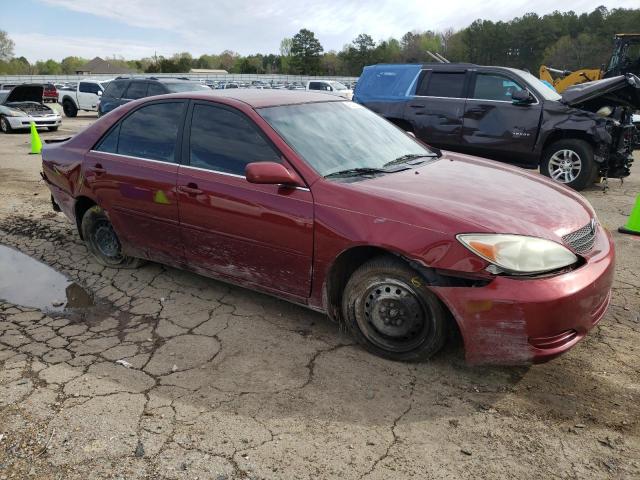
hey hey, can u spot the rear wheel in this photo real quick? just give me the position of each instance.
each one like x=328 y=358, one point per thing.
x=5 y=126
x=570 y=162
x=102 y=241
x=390 y=311
x=70 y=109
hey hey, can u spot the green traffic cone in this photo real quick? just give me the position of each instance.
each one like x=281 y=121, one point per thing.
x=36 y=144
x=633 y=224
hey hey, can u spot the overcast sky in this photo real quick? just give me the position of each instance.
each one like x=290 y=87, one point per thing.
x=44 y=29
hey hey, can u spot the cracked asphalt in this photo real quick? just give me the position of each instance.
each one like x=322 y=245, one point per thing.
x=220 y=382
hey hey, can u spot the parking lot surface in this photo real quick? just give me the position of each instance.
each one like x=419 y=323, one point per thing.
x=167 y=374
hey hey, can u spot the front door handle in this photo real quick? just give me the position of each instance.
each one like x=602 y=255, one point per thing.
x=98 y=169
x=413 y=105
x=190 y=189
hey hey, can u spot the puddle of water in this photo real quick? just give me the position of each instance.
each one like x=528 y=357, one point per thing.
x=30 y=283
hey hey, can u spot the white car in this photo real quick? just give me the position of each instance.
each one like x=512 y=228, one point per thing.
x=22 y=105
x=85 y=96
x=332 y=87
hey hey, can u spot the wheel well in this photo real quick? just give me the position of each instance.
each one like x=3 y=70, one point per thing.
x=568 y=135
x=350 y=260
x=82 y=205
x=403 y=124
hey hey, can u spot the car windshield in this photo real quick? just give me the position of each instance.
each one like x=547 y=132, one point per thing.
x=338 y=86
x=544 y=90
x=340 y=136
x=185 y=87
x=3 y=96
x=104 y=85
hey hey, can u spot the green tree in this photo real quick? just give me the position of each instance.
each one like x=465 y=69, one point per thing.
x=6 y=46
x=285 y=55
x=70 y=65
x=305 y=53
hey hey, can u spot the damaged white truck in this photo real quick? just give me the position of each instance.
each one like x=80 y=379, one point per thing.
x=22 y=105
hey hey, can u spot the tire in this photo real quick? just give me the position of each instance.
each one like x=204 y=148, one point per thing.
x=4 y=125
x=102 y=241
x=53 y=129
x=70 y=109
x=373 y=303
x=570 y=162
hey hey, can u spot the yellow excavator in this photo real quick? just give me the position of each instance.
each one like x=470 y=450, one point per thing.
x=624 y=59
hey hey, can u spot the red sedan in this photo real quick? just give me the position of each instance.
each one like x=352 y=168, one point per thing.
x=319 y=201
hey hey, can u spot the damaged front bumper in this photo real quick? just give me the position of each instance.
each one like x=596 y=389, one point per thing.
x=520 y=321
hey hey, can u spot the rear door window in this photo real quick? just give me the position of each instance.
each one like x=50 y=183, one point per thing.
x=442 y=84
x=116 y=88
x=156 y=89
x=136 y=90
x=150 y=132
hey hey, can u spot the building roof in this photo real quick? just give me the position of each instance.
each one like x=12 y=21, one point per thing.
x=98 y=65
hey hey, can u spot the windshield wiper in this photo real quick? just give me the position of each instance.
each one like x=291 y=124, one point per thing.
x=408 y=158
x=352 y=172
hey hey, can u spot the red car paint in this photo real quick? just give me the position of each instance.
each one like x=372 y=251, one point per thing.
x=285 y=241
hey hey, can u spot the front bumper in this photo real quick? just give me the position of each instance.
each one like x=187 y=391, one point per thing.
x=16 y=123
x=519 y=321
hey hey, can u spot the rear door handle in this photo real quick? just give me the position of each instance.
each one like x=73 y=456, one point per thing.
x=190 y=189
x=416 y=106
x=98 y=169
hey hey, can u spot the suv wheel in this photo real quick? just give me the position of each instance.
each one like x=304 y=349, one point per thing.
x=4 y=125
x=389 y=310
x=102 y=241
x=570 y=162
x=70 y=110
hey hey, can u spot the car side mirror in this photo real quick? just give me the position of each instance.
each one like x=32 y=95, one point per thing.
x=271 y=173
x=522 y=97
x=99 y=93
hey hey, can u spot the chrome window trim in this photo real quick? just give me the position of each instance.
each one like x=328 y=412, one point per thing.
x=304 y=189
x=164 y=162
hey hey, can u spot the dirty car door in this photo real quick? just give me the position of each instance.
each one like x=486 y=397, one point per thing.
x=252 y=234
x=132 y=173
x=495 y=127
x=437 y=108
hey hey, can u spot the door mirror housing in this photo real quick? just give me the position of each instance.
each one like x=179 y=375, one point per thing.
x=271 y=173
x=522 y=97
x=99 y=93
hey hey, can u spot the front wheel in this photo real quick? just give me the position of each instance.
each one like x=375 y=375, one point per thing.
x=5 y=126
x=102 y=241
x=570 y=162
x=390 y=311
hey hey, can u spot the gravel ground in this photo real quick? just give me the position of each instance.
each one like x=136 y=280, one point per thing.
x=226 y=383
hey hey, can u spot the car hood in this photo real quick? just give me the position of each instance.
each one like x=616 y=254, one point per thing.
x=482 y=195
x=624 y=88
x=25 y=93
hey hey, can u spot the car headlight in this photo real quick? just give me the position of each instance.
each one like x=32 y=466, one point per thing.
x=518 y=254
x=16 y=113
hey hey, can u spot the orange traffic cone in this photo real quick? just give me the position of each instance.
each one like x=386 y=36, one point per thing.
x=36 y=144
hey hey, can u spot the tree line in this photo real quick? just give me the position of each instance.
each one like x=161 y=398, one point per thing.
x=561 y=39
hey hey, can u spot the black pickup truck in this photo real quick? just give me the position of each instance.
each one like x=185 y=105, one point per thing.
x=509 y=115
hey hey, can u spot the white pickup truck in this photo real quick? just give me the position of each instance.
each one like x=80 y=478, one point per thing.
x=84 y=97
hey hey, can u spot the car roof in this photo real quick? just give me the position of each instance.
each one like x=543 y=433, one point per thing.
x=262 y=98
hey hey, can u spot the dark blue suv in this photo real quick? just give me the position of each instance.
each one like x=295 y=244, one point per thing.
x=125 y=89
